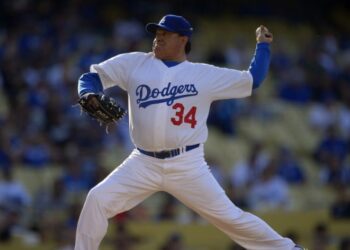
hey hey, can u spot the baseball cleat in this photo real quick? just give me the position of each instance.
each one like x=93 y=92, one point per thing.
x=298 y=247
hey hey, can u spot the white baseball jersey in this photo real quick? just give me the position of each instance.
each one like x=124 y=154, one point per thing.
x=169 y=106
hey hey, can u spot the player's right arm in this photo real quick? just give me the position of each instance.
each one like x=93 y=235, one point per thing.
x=229 y=83
x=260 y=63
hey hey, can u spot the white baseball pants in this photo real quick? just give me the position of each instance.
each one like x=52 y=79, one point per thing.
x=188 y=178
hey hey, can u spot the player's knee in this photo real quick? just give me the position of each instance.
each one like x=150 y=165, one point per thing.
x=104 y=203
x=95 y=196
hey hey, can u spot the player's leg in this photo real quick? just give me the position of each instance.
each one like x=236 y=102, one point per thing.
x=198 y=189
x=124 y=188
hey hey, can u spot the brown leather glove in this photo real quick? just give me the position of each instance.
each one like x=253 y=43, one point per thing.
x=102 y=108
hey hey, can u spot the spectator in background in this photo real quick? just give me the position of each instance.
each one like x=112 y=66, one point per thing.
x=58 y=129
x=63 y=233
x=245 y=173
x=5 y=154
x=237 y=53
x=330 y=113
x=216 y=56
x=13 y=195
x=97 y=174
x=174 y=242
x=75 y=180
x=322 y=115
x=222 y=115
x=8 y=221
x=321 y=237
x=344 y=244
x=128 y=33
x=36 y=151
x=340 y=208
x=331 y=145
x=270 y=191
x=72 y=218
x=217 y=171
x=124 y=239
x=14 y=199
x=335 y=172
x=64 y=240
x=282 y=59
x=324 y=88
x=168 y=208
x=50 y=205
x=293 y=86
x=10 y=143
x=288 y=167
x=344 y=118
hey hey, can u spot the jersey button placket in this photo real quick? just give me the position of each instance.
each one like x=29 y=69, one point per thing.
x=162 y=113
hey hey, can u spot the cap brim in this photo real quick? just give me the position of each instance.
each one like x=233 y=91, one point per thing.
x=152 y=28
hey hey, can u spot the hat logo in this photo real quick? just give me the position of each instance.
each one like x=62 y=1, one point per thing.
x=162 y=21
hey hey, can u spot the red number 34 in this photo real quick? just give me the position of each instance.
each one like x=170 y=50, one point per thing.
x=181 y=117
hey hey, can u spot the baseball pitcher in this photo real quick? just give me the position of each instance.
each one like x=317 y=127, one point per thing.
x=168 y=104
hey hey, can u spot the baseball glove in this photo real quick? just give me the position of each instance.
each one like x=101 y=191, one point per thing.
x=102 y=108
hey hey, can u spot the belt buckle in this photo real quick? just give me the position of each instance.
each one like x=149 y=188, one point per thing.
x=167 y=153
x=162 y=154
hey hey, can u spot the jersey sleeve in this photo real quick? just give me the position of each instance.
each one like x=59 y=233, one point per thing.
x=116 y=70
x=260 y=63
x=229 y=83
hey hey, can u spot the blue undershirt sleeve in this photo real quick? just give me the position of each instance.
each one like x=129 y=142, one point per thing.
x=260 y=63
x=89 y=83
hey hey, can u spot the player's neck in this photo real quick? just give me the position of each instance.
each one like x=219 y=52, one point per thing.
x=178 y=58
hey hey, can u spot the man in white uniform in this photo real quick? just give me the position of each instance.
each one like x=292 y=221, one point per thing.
x=169 y=101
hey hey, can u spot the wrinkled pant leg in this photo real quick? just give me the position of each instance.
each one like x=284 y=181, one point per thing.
x=123 y=189
x=201 y=192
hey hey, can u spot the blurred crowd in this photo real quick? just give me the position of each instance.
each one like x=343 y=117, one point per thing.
x=46 y=46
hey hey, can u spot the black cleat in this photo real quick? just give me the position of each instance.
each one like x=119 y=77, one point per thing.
x=298 y=247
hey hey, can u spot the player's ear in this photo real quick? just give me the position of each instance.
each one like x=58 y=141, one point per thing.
x=184 y=40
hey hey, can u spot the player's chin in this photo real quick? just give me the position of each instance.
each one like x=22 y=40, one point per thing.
x=158 y=53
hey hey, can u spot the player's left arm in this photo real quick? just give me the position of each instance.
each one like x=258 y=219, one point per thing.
x=260 y=63
x=106 y=74
x=89 y=83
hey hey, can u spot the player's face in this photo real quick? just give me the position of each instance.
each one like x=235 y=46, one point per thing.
x=169 y=45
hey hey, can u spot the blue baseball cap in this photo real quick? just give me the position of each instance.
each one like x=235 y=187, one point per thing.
x=172 y=23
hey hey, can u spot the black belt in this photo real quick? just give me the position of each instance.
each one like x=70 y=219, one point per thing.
x=168 y=153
